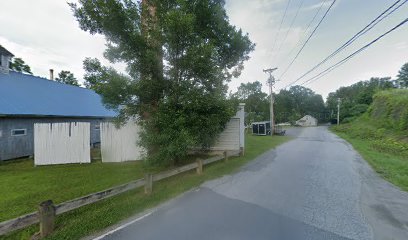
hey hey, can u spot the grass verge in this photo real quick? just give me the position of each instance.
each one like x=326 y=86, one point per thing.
x=95 y=217
x=385 y=150
x=24 y=186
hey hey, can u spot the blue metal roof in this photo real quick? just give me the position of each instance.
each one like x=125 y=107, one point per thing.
x=22 y=94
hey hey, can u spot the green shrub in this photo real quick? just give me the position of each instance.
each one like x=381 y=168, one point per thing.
x=390 y=109
x=348 y=119
x=358 y=109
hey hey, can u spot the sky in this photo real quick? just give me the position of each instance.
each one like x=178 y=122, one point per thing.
x=46 y=35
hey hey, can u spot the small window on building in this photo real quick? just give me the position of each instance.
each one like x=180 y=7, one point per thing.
x=97 y=127
x=18 y=132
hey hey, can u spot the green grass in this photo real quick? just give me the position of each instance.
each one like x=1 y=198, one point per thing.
x=386 y=150
x=24 y=186
x=390 y=109
x=95 y=217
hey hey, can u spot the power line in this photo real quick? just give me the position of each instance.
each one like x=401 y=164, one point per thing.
x=308 y=26
x=339 y=63
x=280 y=26
x=363 y=31
x=301 y=49
x=291 y=25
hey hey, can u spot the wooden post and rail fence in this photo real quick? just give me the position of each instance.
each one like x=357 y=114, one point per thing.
x=47 y=211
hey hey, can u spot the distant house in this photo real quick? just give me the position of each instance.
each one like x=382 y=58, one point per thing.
x=307 y=121
x=26 y=99
x=5 y=58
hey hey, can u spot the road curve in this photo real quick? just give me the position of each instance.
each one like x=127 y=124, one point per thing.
x=312 y=187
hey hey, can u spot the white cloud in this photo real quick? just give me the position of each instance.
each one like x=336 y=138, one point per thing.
x=345 y=19
x=46 y=35
x=401 y=45
x=326 y=4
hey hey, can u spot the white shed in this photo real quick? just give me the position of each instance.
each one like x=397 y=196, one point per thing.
x=307 y=121
x=233 y=136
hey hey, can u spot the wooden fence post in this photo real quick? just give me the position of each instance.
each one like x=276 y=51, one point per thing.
x=148 y=183
x=46 y=216
x=199 y=166
x=226 y=156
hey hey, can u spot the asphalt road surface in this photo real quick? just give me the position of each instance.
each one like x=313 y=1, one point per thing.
x=313 y=187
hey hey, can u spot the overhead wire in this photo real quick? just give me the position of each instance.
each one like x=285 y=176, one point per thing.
x=291 y=25
x=339 y=63
x=307 y=40
x=308 y=27
x=280 y=26
x=363 y=31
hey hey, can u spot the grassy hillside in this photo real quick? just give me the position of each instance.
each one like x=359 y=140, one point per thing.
x=390 y=109
x=381 y=135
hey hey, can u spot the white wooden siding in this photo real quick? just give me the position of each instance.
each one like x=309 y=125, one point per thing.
x=60 y=143
x=229 y=139
x=120 y=144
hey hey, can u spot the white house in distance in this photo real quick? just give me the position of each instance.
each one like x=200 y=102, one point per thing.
x=307 y=121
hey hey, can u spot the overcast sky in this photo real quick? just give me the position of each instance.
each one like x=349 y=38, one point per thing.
x=45 y=34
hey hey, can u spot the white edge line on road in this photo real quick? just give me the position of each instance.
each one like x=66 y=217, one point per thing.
x=123 y=226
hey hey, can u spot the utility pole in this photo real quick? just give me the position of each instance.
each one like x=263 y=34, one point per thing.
x=338 y=110
x=271 y=82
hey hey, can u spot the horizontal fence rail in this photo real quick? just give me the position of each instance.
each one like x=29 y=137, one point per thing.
x=170 y=173
x=95 y=197
x=18 y=223
x=33 y=218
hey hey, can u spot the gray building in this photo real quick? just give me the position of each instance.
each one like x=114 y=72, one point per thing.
x=27 y=99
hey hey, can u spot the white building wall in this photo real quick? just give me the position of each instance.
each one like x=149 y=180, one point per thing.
x=61 y=143
x=241 y=116
x=307 y=121
x=120 y=144
x=229 y=139
x=233 y=136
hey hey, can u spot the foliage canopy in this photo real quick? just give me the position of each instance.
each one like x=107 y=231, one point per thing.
x=356 y=98
x=256 y=101
x=19 y=65
x=296 y=102
x=67 y=77
x=402 y=76
x=179 y=55
x=290 y=105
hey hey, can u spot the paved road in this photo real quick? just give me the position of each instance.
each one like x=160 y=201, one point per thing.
x=313 y=187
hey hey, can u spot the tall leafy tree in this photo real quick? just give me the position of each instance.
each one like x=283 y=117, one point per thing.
x=285 y=110
x=402 y=76
x=179 y=55
x=19 y=65
x=297 y=101
x=67 y=77
x=356 y=98
x=256 y=101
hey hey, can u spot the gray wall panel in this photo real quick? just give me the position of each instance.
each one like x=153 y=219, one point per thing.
x=20 y=146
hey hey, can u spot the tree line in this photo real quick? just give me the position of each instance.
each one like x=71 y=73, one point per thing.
x=293 y=103
x=290 y=105
x=356 y=98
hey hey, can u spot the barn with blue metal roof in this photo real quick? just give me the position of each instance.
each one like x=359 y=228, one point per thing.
x=27 y=99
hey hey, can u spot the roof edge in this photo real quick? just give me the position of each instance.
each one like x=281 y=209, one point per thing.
x=49 y=116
